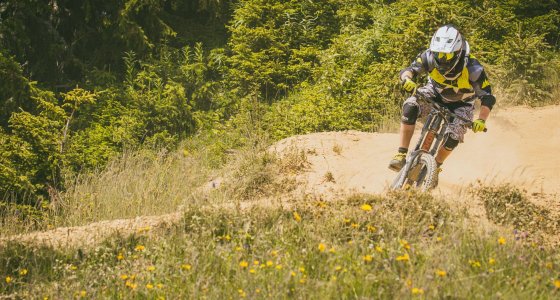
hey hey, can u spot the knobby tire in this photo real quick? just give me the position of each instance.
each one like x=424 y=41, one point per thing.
x=428 y=178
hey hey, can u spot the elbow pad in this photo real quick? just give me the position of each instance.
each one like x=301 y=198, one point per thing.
x=488 y=101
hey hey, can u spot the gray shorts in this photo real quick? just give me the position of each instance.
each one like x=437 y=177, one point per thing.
x=457 y=127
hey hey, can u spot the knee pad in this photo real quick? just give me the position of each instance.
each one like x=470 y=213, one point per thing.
x=409 y=113
x=450 y=143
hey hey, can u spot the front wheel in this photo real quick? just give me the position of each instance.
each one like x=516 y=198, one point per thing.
x=421 y=174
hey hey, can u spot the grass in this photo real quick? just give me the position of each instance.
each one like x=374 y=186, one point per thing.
x=401 y=245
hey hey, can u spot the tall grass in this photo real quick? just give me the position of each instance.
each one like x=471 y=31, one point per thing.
x=402 y=245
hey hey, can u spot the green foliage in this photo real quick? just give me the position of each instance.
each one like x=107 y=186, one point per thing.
x=275 y=44
x=149 y=74
x=13 y=90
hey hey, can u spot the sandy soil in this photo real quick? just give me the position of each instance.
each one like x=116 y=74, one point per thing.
x=522 y=147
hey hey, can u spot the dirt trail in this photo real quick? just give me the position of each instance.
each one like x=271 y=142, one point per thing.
x=522 y=147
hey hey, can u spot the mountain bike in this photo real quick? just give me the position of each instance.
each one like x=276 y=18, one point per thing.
x=421 y=170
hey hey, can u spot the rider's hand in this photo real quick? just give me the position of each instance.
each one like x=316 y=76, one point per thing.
x=409 y=85
x=478 y=125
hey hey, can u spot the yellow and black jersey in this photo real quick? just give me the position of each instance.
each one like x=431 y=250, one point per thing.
x=469 y=80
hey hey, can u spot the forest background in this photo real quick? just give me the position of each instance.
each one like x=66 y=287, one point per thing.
x=82 y=82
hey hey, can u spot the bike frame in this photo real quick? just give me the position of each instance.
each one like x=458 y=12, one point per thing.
x=434 y=128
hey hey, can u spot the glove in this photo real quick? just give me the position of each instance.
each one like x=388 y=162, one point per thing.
x=478 y=125
x=409 y=85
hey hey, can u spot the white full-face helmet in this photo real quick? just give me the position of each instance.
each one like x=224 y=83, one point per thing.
x=449 y=48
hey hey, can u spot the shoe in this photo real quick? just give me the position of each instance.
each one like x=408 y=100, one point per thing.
x=398 y=161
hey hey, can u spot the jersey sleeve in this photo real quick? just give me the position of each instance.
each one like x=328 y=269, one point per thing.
x=418 y=66
x=482 y=87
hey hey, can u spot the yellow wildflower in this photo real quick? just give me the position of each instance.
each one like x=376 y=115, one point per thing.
x=258 y=291
x=256 y=262
x=252 y=271
x=124 y=277
x=417 y=291
x=297 y=217
x=293 y=274
x=371 y=228
x=73 y=268
x=131 y=285
x=186 y=267
x=431 y=227
x=149 y=286
x=332 y=250
x=355 y=225
x=243 y=264
x=302 y=269
x=441 y=273
x=120 y=256
x=274 y=253
x=22 y=272
x=368 y=258
x=491 y=261
x=139 y=248
x=8 y=279
x=322 y=247
x=405 y=244
x=557 y=283
x=269 y=263
x=502 y=241
x=144 y=229
x=83 y=293
x=378 y=249
x=159 y=285
x=302 y=280
x=548 y=265
x=278 y=267
x=151 y=268
x=365 y=207
x=238 y=248
x=404 y=257
x=333 y=278
x=242 y=293
x=474 y=263
x=347 y=221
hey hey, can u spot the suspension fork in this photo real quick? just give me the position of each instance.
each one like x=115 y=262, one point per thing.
x=440 y=136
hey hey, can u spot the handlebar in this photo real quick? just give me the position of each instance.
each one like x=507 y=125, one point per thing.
x=439 y=107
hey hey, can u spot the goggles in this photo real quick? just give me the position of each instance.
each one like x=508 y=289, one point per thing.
x=445 y=56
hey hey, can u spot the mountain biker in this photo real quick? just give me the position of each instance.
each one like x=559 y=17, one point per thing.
x=455 y=80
